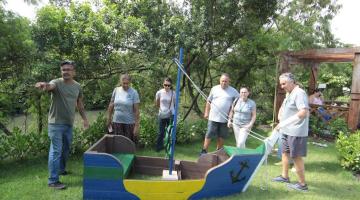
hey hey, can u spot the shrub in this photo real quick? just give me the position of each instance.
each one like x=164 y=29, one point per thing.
x=338 y=125
x=83 y=139
x=316 y=125
x=148 y=130
x=333 y=128
x=189 y=131
x=186 y=130
x=348 y=146
x=19 y=145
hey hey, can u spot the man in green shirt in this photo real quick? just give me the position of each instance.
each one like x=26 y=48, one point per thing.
x=66 y=94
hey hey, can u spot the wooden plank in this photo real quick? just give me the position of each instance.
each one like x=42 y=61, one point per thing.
x=105 y=185
x=228 y=178
x=336 y=53
x=108 y=173
x=119 y=144
x=284 y=66
x=314 y=68
x=100 y=159
x=151 y=165
x=355 y=95
x=166 y=190
x=99 y=146
x=109 y=195
x=192 y=170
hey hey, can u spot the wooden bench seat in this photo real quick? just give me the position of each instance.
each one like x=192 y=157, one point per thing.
x=126 y=160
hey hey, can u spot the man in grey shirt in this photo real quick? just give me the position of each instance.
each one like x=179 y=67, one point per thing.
x=217 y=109
x=294 y=125
x=66 y=95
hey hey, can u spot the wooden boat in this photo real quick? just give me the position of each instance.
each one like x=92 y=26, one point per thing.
x=111 y=168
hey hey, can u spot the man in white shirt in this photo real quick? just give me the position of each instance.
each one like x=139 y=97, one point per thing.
x=217 y=110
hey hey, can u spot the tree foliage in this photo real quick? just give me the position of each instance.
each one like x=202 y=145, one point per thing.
x=110 y=37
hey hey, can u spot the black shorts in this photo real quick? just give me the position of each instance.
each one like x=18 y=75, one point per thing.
x=295 y=146
x=216 y=130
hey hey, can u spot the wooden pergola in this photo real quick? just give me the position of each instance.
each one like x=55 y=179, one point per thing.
x=311 y=59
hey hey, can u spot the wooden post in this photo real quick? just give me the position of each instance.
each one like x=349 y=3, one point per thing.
x=284 y=66
x=355 y=94
x=314 y=68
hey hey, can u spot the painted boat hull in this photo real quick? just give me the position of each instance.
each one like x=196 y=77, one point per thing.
x=104 y=179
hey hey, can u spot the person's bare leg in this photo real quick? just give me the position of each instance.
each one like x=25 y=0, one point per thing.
x=207 y=142
x=300 y=169
x=219 y=143
x=285 y=165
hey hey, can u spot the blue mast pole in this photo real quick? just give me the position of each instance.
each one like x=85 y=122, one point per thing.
x=173 y=135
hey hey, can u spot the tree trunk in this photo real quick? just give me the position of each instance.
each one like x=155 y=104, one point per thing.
x=39 y=114
x=4 y=129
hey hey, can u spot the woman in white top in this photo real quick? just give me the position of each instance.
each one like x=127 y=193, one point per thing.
x=242 y=117
x=164 y=100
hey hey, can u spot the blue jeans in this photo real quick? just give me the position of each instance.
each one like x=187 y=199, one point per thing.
x=60 y=137
x=163 y=124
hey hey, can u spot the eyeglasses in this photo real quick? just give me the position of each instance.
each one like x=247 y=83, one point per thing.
x=166 y=85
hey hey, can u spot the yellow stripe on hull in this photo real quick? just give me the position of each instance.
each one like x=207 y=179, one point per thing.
x=155 y=190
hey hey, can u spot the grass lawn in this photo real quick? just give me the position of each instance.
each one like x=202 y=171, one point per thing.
x=326 y=179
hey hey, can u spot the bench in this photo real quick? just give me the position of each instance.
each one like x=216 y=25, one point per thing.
x=230 y=150
x=126 y=160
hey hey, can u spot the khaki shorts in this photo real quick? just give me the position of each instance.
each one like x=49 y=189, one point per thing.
x=295 y=146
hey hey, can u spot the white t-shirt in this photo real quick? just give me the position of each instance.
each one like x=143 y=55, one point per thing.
x=124 y=101
x=165 y=99
x=221 y=101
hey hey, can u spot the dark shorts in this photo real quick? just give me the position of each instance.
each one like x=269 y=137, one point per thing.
x=126 y=130
x=216 y=130
x=295 y=146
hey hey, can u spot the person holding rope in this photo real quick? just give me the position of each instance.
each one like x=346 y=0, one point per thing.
x=66 y=94
x=216 y=111
x=123 y=111
x=242 y=117
x=294 y=126
x=164 y=100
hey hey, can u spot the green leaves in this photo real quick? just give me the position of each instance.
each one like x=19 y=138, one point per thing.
x=349 y=150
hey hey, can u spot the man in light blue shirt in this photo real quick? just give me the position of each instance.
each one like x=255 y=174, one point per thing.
x=294 y=125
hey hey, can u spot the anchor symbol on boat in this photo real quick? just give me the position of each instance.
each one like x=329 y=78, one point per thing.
x=235 y=178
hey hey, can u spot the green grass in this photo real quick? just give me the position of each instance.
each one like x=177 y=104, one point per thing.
x=326 y=179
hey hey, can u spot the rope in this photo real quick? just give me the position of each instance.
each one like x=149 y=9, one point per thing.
x=167 y=140
x=265 y=182
x=222 y=114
